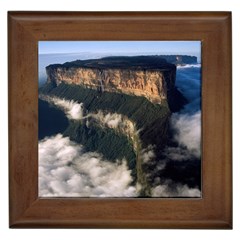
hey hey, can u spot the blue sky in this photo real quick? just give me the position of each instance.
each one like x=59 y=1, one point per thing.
x=151 y=47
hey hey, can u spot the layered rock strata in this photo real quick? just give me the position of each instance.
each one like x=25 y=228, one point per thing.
x=148 y=76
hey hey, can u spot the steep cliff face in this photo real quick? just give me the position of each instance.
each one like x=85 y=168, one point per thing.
x=151 y=77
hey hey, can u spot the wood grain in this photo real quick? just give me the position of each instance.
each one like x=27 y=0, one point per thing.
x=213 y=210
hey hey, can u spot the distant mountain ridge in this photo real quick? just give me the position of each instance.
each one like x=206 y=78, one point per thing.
x=133 y=62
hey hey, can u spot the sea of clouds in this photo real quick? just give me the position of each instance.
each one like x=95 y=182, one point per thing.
x=65 y=170
x=186 y=124
x=186 y=128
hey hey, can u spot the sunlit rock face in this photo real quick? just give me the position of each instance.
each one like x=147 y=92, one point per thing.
x=148 y=76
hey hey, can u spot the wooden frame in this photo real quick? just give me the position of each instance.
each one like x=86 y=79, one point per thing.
x=214 y=210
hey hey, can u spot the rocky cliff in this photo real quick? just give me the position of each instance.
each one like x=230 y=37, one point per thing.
x=128 y=87
x=149 y=76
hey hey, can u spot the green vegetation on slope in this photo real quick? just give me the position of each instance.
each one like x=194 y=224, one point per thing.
x=151 y=118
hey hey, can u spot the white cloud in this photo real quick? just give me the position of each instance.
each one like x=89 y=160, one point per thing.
x=178 y=153
x=198 y=65
x=188 y=131
x=148 y=154
x=72 y=109
x=65 y=170
x=113 y=120
x=164 y=190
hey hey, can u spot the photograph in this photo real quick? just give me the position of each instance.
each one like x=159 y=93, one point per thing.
x=119 y=119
